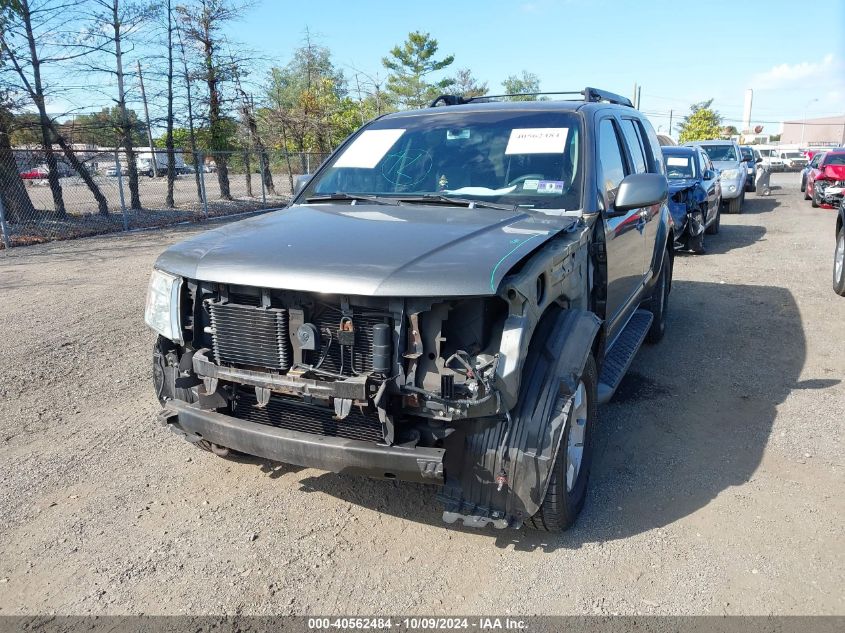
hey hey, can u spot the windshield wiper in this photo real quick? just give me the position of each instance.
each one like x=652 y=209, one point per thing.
x=437 y=198
x=354 y=197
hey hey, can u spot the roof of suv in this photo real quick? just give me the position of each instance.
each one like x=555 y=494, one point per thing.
x=529 y=106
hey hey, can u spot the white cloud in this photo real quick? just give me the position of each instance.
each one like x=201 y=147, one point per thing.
x=828 y=71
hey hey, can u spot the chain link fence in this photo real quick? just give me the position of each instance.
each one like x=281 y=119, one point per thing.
x=95 y=195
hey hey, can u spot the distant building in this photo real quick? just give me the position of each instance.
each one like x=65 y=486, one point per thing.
x=825 y=131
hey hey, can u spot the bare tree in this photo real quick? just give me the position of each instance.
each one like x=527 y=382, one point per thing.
x=31 y=27
x=192 y=135
x=112 y=24
x=171 y=159
x=247 y=107
x=203 y=21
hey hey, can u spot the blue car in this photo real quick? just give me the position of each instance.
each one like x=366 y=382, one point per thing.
x=695 y=196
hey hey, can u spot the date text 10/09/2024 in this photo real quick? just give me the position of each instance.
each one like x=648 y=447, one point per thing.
x=418 y=623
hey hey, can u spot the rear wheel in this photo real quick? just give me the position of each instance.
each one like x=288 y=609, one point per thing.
x=839 y=263
x=567 y=489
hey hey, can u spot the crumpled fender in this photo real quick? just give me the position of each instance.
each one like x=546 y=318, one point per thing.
x=524 y=449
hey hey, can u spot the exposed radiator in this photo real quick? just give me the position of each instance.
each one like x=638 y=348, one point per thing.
x=249 y=335
x=294 y=415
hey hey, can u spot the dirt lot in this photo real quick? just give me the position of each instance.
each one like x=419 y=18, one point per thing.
x=717 y=486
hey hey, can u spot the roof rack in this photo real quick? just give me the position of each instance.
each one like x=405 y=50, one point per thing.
x=590 y=95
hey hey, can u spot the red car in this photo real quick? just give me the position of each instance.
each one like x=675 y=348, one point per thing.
x=37 y=173
x=826 y=182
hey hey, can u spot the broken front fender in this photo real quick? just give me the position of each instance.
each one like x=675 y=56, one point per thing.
x=498 y=469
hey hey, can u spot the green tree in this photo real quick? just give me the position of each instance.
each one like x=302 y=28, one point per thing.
x=410 y=66
x=104 y=128
x=467 y=86
x=521 y=84
x=307 y=108
x=701 y=124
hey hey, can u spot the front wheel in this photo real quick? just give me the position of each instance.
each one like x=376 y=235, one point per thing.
x=571 y=471
x=735 y=205
x=804 y=185
x=839 y=264
x=713 y=229
x=816 y=201
x=660 y=300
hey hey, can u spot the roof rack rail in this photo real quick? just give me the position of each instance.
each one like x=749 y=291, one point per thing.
x=590 y=95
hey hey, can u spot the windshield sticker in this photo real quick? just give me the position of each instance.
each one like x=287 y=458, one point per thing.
x=550 y=186
x=677 y=161
x=455 y=135
x=480 y=191
x=368 y=149
x=530 y=185
x=537 y=140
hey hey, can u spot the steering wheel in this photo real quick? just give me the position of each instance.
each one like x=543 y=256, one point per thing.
x=520 y=179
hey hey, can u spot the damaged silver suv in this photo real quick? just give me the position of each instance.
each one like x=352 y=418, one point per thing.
x=446 y=300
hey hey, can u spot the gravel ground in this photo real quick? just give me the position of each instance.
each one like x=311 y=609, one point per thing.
x=717 y=486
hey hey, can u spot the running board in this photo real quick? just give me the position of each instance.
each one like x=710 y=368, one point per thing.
x=618 y=358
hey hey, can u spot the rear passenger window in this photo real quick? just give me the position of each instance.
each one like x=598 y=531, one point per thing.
x=635 y=145
x=610 y=157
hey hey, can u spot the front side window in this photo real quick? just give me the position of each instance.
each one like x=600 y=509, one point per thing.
x=634 y=145
x=530 y=159
x=721 y=152
x=610 y=157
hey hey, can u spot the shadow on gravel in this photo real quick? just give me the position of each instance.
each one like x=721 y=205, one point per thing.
x=690 y=420
x=731 y=237
x=761 y=204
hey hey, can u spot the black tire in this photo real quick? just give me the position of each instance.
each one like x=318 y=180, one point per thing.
x=713 y=229
x=806 y=195
x=659 y=301
x=696 y=244
x=804 y=185
x=838 y=256
x=735 y=204
x=560 y=507
x=815 y=200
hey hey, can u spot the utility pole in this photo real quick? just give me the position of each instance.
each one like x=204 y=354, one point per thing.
x=639 y=94
x=147 y=116
x=634 y=97
x=671 y=112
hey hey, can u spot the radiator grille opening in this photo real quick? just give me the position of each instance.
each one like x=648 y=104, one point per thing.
x=248 y=335
x=294 y=415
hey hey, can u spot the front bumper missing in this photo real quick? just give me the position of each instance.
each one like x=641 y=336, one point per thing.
x=340 y=455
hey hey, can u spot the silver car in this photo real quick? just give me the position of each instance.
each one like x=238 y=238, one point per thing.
x=727 y=158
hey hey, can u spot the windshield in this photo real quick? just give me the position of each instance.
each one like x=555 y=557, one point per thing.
x=721 y=152
x=834 y=159
x=530 y=159
x=793 y=154
x=679 y=167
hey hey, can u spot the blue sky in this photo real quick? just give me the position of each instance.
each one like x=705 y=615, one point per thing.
x=679 y=52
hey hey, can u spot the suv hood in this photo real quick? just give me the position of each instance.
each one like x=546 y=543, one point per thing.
x=722 y=165
x=364 y=249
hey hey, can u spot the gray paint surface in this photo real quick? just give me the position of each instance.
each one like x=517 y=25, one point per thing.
x=370 y=250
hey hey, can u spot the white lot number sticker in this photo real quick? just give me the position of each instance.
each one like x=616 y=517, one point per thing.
x=369 y=148
x=537 y=140
x=677 y=161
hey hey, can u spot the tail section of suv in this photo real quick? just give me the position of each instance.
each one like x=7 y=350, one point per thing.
x=445 y=301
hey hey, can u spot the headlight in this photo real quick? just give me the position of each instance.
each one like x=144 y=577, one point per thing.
x=162 y=311
x=729 y=174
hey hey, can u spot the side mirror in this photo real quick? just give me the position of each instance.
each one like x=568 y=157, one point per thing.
x=709 y=174
x=300 y=182
x=758 y=160
x=641 y=190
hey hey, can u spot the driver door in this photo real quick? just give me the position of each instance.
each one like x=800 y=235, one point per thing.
x=624 y=232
